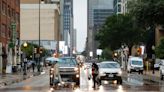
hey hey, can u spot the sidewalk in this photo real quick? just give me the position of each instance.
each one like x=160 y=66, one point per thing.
x=7 y=79
x=153 y=77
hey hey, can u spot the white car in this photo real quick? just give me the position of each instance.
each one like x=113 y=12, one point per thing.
x=161 y=69
x=110 y=70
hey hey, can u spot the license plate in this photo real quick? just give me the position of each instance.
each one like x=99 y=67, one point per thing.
x=110 y=75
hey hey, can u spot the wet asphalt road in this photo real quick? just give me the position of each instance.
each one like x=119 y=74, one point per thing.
x=131 y=83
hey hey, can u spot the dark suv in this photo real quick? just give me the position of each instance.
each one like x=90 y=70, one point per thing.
x=69 y=70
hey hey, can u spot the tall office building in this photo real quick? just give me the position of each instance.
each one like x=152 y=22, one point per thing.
x=9 y=34
x=74 y=41
x=120 y=6
x=98 y=11
x=66 y=22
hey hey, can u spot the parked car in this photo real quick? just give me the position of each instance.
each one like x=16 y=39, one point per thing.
x=110 y=70
x=161 y=69
x=135 y=64
x=69 y=70
x=157 y=64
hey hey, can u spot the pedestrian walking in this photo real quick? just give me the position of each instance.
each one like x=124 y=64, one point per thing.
x=95 y=72
x=33 y=66
x=56 y=72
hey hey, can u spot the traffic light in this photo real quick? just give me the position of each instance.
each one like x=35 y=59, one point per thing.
x=139 y=50
x=40 y=50
x=35 y=50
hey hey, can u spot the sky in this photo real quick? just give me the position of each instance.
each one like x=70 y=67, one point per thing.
x=80 y=22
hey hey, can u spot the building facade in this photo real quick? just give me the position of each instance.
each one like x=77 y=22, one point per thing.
x=120 y=6
x=9 y=34
x=98 y=11
x=40 y=21
x=37 y=1
x=66 y=23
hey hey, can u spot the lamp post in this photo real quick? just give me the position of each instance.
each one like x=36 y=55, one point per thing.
x=25 y=59
x=153 y=56
x=122 y=57
x=40 y=1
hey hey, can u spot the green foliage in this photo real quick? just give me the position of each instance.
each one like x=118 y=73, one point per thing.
x=159 y=50
x=106 y=54
x=30 y=49
x=119 y=29
x=147 y=12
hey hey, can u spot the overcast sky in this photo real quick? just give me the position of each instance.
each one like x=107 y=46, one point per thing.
x=80 y=22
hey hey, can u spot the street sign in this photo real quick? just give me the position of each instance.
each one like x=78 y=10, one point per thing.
x=14 y=33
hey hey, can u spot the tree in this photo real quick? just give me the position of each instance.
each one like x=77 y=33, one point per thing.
x=29 y=50
x=159 y=50
x=117 y=30
x=148 y=15
x=107 y=54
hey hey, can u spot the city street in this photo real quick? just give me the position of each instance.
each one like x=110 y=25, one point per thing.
x=131 y=83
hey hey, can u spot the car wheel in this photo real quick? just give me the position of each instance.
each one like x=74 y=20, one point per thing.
x=161 y=76
x=130 y=71
x=141 y=71
x=119 y=81
x=78 y=82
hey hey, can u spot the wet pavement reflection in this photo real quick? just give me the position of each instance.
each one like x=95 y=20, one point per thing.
x=131 y=83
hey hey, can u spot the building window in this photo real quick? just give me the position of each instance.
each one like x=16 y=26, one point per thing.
x=119 y=8
x=17 y=17
x=17 y=2
x=8 y=11
x=3 y=30
x=4 y=8
x=9 y=34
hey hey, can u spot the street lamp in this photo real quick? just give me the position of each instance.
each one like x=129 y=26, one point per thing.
x=25 y=45
x=40 y=1
x=153 y=56
x=25 y=59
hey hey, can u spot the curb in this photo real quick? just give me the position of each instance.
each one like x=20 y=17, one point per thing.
x=6 y=83
x=148 y=77
x=152 y=78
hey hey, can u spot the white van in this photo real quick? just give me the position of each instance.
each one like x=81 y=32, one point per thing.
x=161 y=69
x=135 y=64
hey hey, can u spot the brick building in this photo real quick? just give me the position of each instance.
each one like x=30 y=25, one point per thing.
x=9 y=32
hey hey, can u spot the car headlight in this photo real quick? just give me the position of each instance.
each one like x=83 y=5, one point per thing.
x=102 y=74
x=120 y=72
x=51 y=76
x=52 y=69
x=77 y=76
x=75 y=69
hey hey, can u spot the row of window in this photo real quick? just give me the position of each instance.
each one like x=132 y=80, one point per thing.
x=103 y=10
x=10 y=12
x=3 y=31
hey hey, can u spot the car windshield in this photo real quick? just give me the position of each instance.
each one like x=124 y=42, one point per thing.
x=109 y=65
x=67 y=61
x=135 y=62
